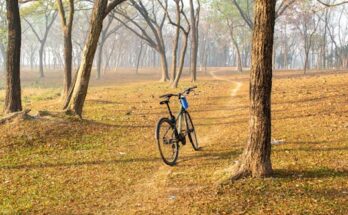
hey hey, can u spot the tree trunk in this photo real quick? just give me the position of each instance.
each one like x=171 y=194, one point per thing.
x=194 y=41
x=42 y=45
x=205 y=60
x=77 y=96
x=235 y=44
x=100 y=58
x=182 y=61
x=324 y=64
x=164 y=65
x=138 y=58
x=256 y=158
x=286 y=49
x=107 y=63
x=68 y=49
x=239 y=58
x=306 y=62
x=176 y=43
x=13 y=101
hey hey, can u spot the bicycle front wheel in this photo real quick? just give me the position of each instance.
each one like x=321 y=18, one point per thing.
x=167 y=142
x=191 y=132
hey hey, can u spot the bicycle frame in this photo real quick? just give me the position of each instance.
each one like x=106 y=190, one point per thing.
x=177 y=121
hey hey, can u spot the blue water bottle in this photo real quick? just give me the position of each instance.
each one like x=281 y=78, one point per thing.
x=184 y=102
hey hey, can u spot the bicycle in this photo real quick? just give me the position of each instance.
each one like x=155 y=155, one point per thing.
x=169 y=131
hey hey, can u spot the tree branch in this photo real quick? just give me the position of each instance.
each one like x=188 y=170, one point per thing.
x=112 y=5
x=332 y=5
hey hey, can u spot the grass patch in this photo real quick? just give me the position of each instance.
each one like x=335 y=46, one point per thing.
x=109 y=162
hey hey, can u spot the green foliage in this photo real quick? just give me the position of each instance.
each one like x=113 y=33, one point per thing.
x=37 y=8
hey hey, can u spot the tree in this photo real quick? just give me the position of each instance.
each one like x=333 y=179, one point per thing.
x=148 y=28
x=230 y=16
x=67 y=24
x=256 y=158
x=244 y=9
x=194 y=19
x=3 y=33
x=78 y=92
x=176 y=37
x=141 y=46
x=306 y=23
x=332 y=5
x=105 y=34
x=13 y=101
x=186 y=31
x=45 y=7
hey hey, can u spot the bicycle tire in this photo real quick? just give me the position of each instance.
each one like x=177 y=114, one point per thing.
x=191 y=131
x=164 y=146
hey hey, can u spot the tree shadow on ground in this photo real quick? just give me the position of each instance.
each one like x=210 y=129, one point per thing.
x=77 y=164
x=214 y=155
x=309 y=173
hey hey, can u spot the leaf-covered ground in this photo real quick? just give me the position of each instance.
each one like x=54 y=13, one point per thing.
x=109 y=162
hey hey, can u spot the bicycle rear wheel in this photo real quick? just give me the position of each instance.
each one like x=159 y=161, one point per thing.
x=191 y=131
x=167 y=142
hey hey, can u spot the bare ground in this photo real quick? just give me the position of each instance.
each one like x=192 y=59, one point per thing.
x=109 y=163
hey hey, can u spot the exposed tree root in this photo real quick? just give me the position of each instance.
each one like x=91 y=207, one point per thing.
x=71 y=113
x=236 y=172
x=42 y=114
x=22 y=115
x=240 y=172
x=65 y=114
x=244 y=170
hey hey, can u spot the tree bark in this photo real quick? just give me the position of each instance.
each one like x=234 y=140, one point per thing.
x=306 y=62
x=139 y=58
x=182 y=61
x=75 y=101
x=68 y=47
x=78 y=92
x=256 y=158
x=239 y=58
x=235 y=44
x=13 y=101
x=41 y=50
x=176 y=42
x=68 y=64
x=100 y=58
x=104 y=36
x=164 y=65
x=194 y=39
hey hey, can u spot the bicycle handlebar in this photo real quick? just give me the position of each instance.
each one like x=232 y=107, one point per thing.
x=168 y=95
x=186 y=91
